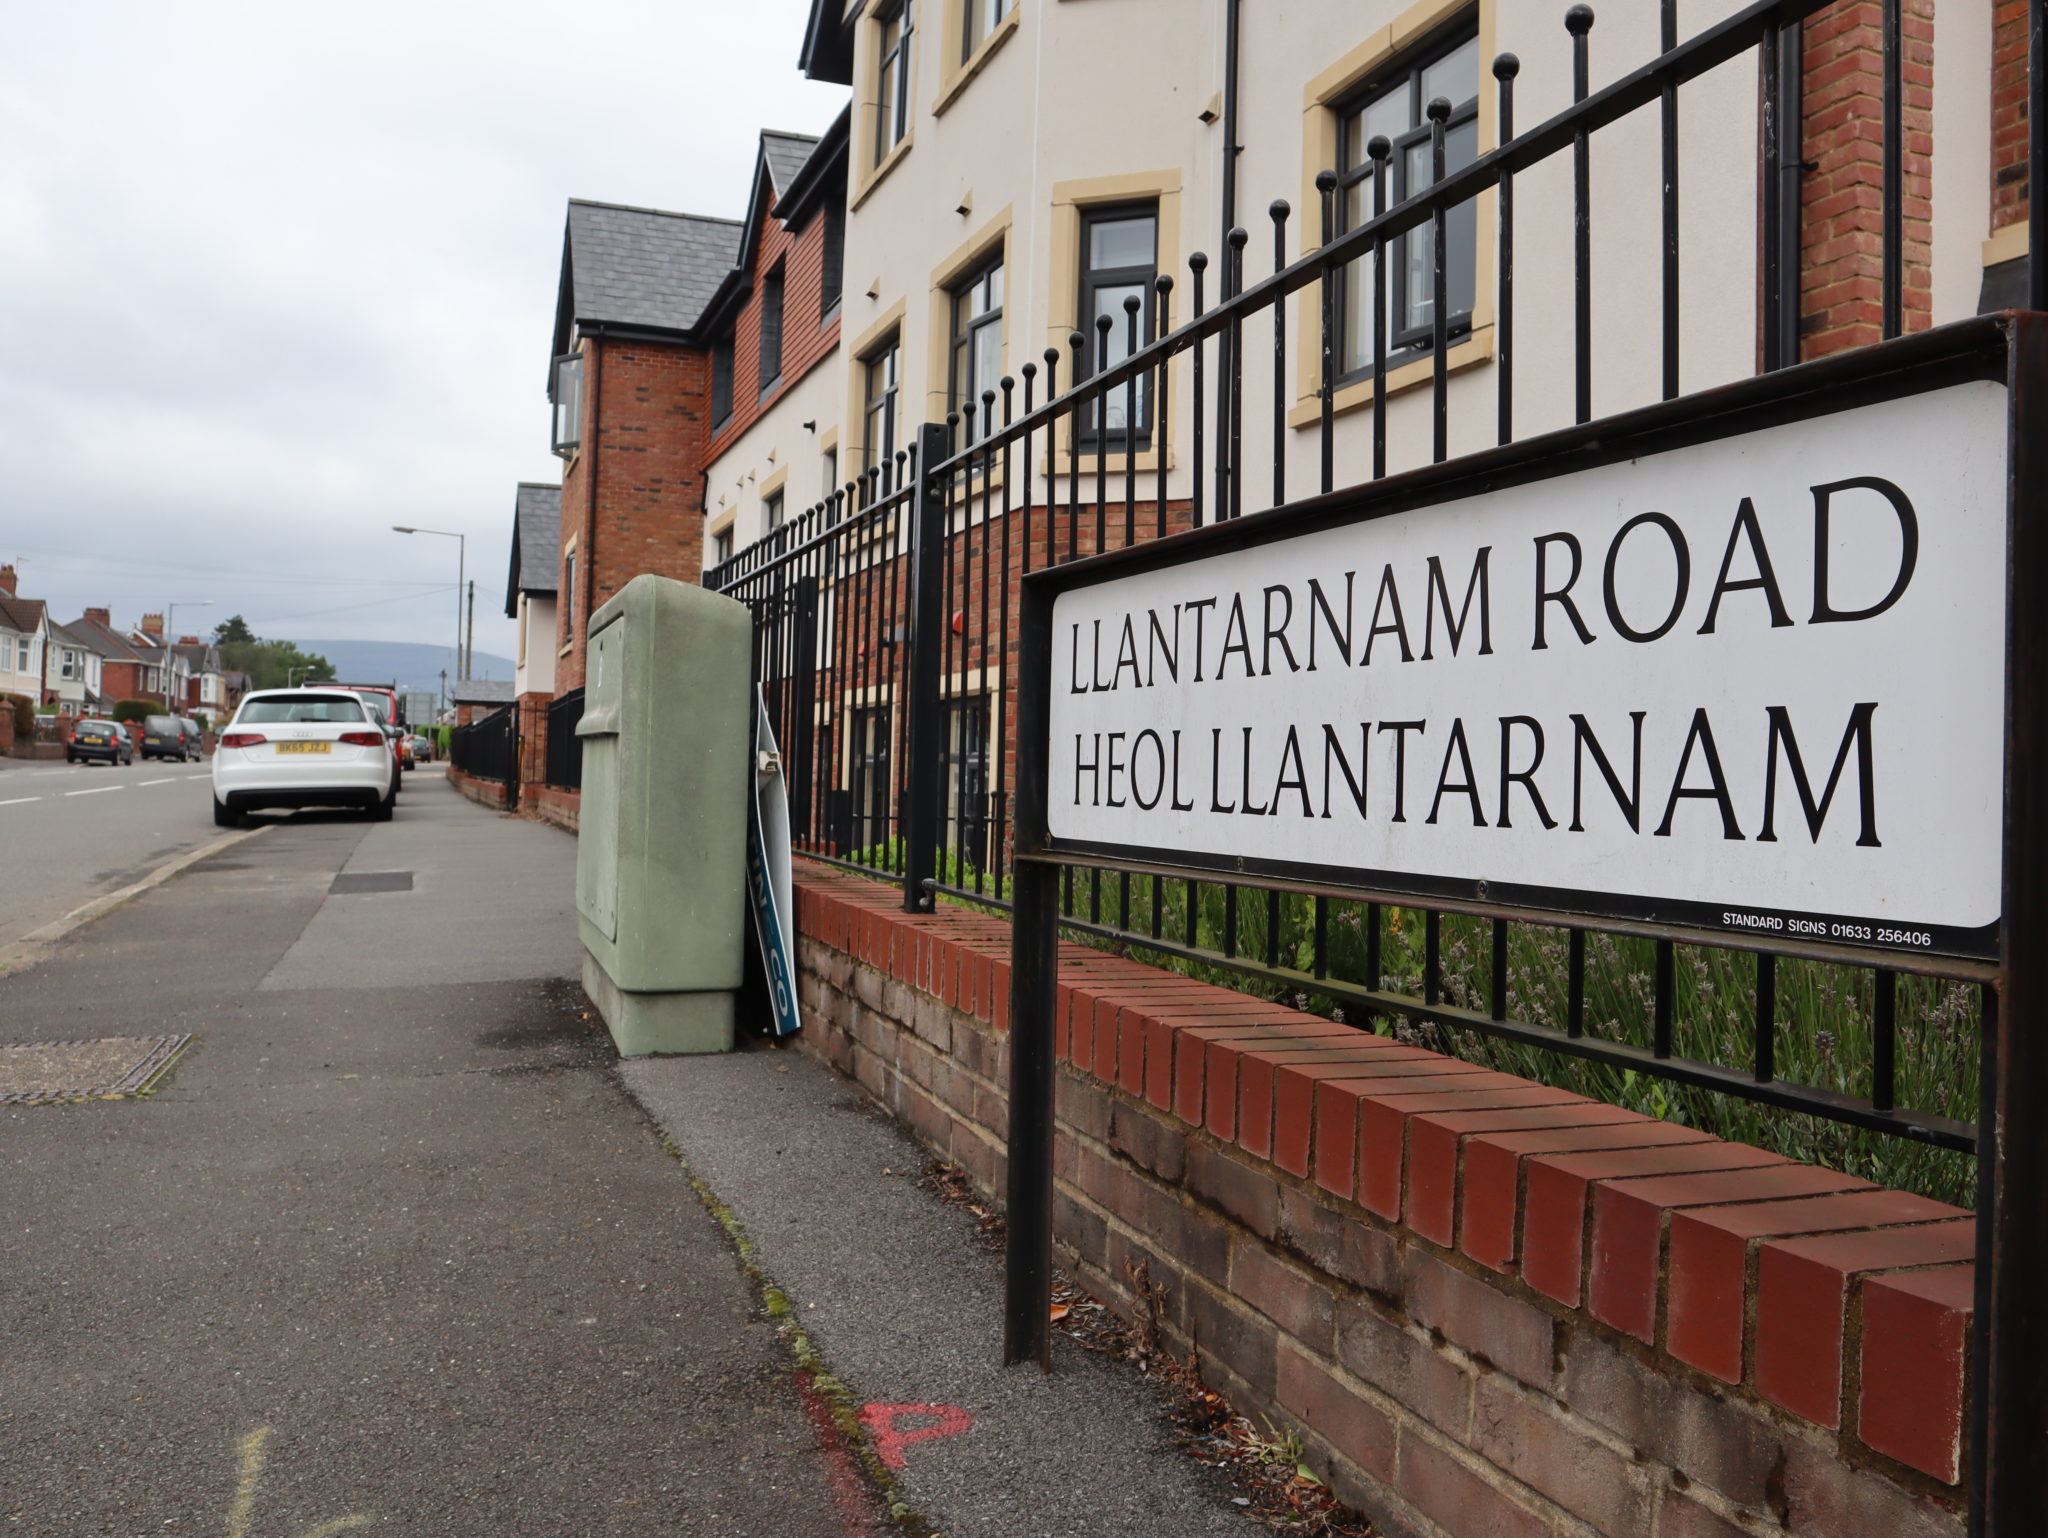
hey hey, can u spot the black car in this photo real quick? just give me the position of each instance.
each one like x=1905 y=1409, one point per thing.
x=99 y=739
x=165 y=737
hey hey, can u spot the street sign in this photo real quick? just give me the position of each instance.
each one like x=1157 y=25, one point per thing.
x=1749 y=682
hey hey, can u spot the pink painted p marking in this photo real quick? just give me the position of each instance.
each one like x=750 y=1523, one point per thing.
x=891 y=1438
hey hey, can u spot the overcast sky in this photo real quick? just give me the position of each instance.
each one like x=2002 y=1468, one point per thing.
x=280 y=276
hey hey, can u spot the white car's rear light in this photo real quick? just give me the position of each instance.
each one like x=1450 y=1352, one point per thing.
x=243 y=739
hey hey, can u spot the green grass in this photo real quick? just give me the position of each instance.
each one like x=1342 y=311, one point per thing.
x=1824 y=1011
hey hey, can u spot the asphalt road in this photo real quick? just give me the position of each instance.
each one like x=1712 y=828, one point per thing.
x=389 y=1250
x=75 y=832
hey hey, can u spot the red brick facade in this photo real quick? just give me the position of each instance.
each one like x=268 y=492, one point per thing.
x=808 y=336
x=1842 y=199
x=633 y=496
x=2008 y=113
x=1486 y=1306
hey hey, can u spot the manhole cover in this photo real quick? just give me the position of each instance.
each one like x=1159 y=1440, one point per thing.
x=371 y=881
x=106 y=1069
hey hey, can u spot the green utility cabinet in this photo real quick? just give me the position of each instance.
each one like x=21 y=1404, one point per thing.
x=662 y=846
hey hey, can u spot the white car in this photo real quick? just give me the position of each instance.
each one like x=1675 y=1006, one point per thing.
x=303 y=747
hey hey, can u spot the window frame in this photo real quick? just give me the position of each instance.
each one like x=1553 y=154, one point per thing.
x=889 y=399
x=978 y=23
x=832 y=259
x=966 y=815
x=568 y=598
x=721 y=381
x=1354 y=169
x=1089 y=434
x=773 y=515
x=892 y=95
x=963 y=340
x=773 y=291
x=722 y=546
x=568 y=406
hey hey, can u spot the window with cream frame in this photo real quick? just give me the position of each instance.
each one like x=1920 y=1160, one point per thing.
x=1335 y=101
x=897 y=36
x=980 y=18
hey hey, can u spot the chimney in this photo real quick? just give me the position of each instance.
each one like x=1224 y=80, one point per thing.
x=153 y=625
x=188 y=640
x=101 y=617
x=9 y=582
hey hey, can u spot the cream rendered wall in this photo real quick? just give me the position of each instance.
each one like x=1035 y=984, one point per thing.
x=777 y=452
x=1086 y=89
x=1072 y=90
x=1962 y=156
x=535 y=672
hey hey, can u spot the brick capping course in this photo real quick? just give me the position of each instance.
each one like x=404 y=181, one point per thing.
x=1487 y=1305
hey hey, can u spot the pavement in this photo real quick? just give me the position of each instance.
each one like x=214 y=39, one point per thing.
x=394 y=1248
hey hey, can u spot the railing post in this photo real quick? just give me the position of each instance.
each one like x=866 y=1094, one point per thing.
x=925 y=734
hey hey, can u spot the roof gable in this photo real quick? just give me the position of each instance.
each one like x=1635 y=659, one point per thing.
x=23 y=616
x=640 y=268
x=536 y=543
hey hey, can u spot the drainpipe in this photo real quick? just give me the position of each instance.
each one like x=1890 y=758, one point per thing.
x=590 y=521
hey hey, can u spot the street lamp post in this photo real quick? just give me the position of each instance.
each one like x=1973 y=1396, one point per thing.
x=461 y=663
x=170 y=630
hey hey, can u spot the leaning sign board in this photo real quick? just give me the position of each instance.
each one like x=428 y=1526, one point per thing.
x=1734 y=665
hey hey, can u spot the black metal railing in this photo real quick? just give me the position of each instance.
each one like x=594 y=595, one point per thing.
x=564 y=765
x=890 y=687
x=486 y=749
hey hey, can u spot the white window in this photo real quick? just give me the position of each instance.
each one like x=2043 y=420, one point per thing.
x=892 y=95
x=982 y=16
x=21 y=647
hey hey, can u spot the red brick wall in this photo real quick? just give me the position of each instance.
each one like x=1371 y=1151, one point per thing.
x=2008 y=113
x=1486 y=1306
x=806 y=341
x=1842 y=199
x=647 y=457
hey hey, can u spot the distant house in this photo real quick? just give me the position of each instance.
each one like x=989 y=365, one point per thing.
x=75 y=681
x=131 y=665
x=476 y=698
x=631 y=380
x=203 y=679
x=24 y=640
x=530 y=586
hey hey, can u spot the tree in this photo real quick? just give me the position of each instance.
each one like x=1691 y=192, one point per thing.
x=234 y=628
x=275 y=664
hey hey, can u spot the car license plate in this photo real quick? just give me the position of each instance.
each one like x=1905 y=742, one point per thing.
x=302 y=747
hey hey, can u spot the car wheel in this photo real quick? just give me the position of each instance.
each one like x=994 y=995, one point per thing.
x=225 y=816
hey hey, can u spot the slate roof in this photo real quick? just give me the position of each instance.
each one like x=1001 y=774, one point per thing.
x=536 y=529
x=641 y=267
x=105 y=640
x=785 y=154
x=483 y=691
x=24 y=616
x=201 y=656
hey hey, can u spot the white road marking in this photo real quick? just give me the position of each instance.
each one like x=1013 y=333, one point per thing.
x=18 y=800
x=172 y=780
x=97 y=790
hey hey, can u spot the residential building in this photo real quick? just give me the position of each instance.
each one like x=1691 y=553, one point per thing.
x=476 y=698
x=630 y=383
x=530 y=587
x=774 y=328
x=1013 y=178
x=131 y=664
x=203 y=683
x=75 y=680
x=24 y=640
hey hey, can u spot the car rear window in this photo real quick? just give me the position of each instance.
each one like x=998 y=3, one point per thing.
x=159 y=724
x=305 y=707
x=100 y=728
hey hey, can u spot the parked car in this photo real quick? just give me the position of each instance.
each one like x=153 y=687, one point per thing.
x=164 y=737
x=422 y=750
x=195 y=736
x=303 y=747
x=91 y=739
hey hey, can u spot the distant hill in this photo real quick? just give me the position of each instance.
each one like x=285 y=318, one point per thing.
x=407 y=663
